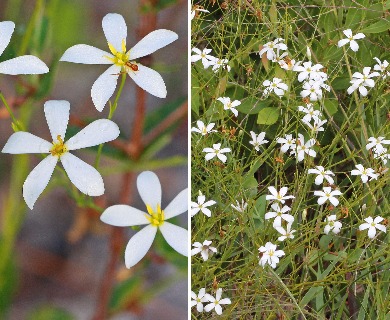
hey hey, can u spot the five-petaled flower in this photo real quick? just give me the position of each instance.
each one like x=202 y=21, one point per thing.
x=364 y=173
x=351 y=40
x=279 y=196
x=372 y=224
x=198 y=299
x=149 y=189
x=19 y=65
x=204 y=248
x=321 y=175
x=216 y=302
x=332 y=224
x=85 y=177
x=216 y=151
x=257 y=140
x=201 y=205
x=122 y=61
x=230 y=105
x=328 y=195
x=202 y=128
x=270 y=255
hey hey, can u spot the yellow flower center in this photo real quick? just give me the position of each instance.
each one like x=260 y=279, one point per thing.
x=271 y=253
x=155 y=218
x=122 y=58
x=59 y=148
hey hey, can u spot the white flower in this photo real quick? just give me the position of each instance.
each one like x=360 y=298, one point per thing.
x=207 y=60
x=19 y=65
x=372 y=225
x=121 y=215
x=240 y=207
x=121 y=61
x=270 y=47
x=321 y=174
x=317 y=125
x=197 y=300
x=328 y=195
x=205 y=249
x=311 y=113
x=332 y=224
x=85 y=177
x=287 y=143
x=201 y=205
x=257 y=140
x=270 y=255
x=230 y=105
x=220 y=63
x=279 y=214
x=285 y=233
x=193 y=12
x=364 y=173
x=312 y=89
x=362 y=80
x=382 y=67
x=307 y=71
x=216 y=302
x=202 y=128
x=384 y=156
x=302 y=148
x=276 y=86
x=377 y=144
x=351 y=40
x=216 y=151
x=279 y=196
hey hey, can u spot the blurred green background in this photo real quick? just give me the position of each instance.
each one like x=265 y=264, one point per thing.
x=52 y=259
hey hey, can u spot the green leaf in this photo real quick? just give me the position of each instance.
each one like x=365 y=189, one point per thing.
x=331 y=106
x=260 y=207
x=253 y=105
x=268 y=116
x=377 y=27
x=310 y=295
x=50 y=313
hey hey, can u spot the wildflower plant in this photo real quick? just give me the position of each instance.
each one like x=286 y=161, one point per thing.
x=313 y=82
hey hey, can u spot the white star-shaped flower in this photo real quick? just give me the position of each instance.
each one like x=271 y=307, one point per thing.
x=382 y=67
x=279 y=196
x=377 y=144
x=221 y=64
x=310 y=112
x=279 y=213
x=285 y=233
x=312 y=89
x=308 y=71
x=364 y=173
x=216 y=151
x=198 y=299
x=216 y=302
x=332 y=224
x=205 y=249
x=257 y=140
x=321 y=174
x=276 y=85
x=270 y=47
x=328 y=195
x=207 y=60
x=372 y=225
x=351 y=40
x=121 y=215
x=303 y=148
x=317 y=125
x=287 y=142
x=270 y=255
x=230 y=105
x=362 y=80
x=201 y=205
x=85 y=177
x=19 y=65
x=202 y=128
x=121 y=60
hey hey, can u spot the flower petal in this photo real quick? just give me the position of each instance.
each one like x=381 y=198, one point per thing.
x=177 y=237
x=6 y=30
x=104 y=87
x=149 y=80
x=38 y=179
x=149 y=189
x=178 y=205
x=115 y=30
x=85 y=177
x=138 y=245
x=152 y=42
x=123 y=216
x=57 y=117
x=24 y=142
x=97 y=132
x=23 y=65
x=83 y=53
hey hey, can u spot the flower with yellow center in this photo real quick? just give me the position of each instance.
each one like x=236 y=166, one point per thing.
x=155 y=218
x=115 y=30
x=85 y=177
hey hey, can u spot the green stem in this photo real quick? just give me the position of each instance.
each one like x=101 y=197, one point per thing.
x=110 y=115
x=16 y=123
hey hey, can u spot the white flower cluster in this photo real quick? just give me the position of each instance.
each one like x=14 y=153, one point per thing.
x=298 y=146
x=379 y=150
x=312 y=115
x=209 y=60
